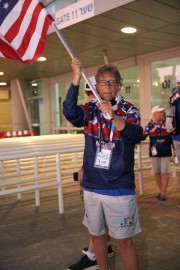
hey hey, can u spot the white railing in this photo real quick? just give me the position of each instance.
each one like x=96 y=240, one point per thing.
x=34 y=163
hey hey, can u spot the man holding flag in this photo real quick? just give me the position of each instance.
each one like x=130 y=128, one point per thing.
x=108 y=180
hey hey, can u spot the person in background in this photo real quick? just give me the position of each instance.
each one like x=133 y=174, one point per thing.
x=108 y=165
x=160 y=149
x=175 y=101
x=88 y=260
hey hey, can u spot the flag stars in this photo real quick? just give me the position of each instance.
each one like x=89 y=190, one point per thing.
x=6 y=5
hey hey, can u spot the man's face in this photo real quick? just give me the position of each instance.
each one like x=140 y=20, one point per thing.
x=107 y=86
x=178 y=85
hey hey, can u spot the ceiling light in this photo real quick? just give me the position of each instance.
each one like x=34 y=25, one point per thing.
x=128 y=30
x=3 y=83
x=1 y=73
x=34 y=84
x=42 y=58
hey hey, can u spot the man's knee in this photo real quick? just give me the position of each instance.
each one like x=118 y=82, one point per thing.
x=124 y=244
x=97 y=237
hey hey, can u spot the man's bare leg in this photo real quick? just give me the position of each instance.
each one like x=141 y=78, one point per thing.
x=128 y=253
x=100 y=249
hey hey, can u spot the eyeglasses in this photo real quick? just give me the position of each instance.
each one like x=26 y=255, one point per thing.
x=104 y=83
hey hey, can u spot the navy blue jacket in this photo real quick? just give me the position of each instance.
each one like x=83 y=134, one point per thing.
x=175 y=100
x=159 y=138
x=121 y=171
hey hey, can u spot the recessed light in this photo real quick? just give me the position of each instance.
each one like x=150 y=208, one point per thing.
x=34 y=84
x=1 y=73
x=42 y=58
x=128 y=30
x=3 y=83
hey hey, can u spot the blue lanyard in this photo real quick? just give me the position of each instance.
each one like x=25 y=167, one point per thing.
x=111 y=132
x=100 y=130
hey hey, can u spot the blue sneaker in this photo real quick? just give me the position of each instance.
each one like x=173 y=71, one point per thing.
x=84 y=264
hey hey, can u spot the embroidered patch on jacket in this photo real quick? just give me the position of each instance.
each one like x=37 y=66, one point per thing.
x=126 y=221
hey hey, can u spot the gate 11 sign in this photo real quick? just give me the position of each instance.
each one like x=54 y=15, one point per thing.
x=75 y=13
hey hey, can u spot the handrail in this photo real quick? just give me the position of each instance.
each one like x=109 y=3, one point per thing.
x=14 y=148
x=29 y=155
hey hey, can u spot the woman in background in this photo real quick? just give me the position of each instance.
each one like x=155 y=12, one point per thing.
x=160 y=149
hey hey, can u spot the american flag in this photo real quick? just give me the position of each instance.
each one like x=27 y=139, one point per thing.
x=23 y=29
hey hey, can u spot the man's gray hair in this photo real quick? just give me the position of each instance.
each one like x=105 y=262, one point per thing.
x=112 y=69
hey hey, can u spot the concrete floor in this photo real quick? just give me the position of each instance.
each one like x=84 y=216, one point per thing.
x=34 y=238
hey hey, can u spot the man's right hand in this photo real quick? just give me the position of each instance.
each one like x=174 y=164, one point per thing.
x=76 y=66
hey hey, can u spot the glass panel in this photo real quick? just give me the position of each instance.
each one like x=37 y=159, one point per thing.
x=36 y=129
x=34 y=99
x=130 y=89
x=41 y=116
x=34 y=89
x=163 y=79
x=60 y=121
x=35 y=108
x=34 y=111
x=59 y=97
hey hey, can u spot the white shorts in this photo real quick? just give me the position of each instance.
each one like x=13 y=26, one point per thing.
x=160 y=164
x=119 y=213
x=85 y=220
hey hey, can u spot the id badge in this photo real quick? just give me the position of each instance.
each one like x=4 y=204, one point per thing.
x=153 y=151
x=103 y=157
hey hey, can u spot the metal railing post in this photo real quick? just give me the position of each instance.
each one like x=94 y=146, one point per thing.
x=36 y=176
x=141 y=189
x=60 y=192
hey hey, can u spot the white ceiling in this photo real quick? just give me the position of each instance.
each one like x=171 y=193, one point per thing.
x=157 y=21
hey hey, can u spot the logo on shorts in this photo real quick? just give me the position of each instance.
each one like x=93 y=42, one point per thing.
x=126 y=221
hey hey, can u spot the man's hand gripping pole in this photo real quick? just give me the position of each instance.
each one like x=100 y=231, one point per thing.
x=59 y=34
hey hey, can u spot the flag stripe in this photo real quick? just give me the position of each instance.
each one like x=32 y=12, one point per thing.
x=40 y=44
x=15 y=29
x=31 y=31
x=21 y=31
x=26 y=32
x=35 y=39
x=8 y=51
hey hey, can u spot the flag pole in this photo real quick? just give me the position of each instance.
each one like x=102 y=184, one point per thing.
x=59 y=34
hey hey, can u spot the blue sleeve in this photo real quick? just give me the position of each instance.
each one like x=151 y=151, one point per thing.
x=73 y=113
x=132 y=133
